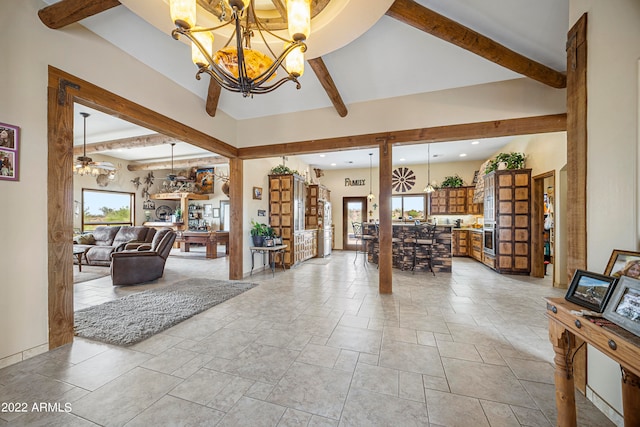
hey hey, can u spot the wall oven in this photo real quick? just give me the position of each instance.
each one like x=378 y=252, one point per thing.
x=489 y=239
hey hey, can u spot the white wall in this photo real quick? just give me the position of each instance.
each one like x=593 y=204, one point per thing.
x=612 y=169
x=492 y=101
x=28 y=49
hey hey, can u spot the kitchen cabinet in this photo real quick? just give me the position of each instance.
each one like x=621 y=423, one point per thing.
x=459 y=242
x=287 y=200
x=473 y=208
x=507 y=215
x=475 y=250
x=454 y=201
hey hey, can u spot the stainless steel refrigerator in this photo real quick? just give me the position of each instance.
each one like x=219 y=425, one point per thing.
x=325 y=237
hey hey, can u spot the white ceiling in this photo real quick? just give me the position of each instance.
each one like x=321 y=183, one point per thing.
x=391 y=59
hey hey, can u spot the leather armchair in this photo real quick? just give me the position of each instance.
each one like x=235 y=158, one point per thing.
x=138 y=266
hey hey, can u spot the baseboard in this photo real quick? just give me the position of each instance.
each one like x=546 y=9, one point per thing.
x=23 y=355
x=605 y=408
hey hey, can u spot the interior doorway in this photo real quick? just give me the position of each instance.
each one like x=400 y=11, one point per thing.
x=354 y=209
x=543 y=226
x=225 y=211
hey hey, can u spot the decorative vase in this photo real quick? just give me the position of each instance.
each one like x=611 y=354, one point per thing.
x=502 y=166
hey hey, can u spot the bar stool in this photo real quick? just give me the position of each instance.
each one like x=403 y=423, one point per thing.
x=357 y=235
x=425 y=238
x=370 y=239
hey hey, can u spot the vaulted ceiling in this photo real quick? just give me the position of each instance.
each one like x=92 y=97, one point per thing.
x=359 y=50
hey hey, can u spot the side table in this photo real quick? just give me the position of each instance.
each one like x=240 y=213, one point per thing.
x=272 y=251
x=79 y=253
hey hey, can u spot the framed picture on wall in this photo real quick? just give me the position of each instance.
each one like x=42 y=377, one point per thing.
x=204 y=180
x=9 y=152
x=208 y=210
x=257 y=193
x=216 y=212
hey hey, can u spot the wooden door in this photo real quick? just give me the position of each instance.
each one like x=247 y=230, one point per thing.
x=354 y=209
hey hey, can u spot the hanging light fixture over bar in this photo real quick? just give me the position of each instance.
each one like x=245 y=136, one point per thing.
x=239 y=68
x=371 y=196
x=429 y=188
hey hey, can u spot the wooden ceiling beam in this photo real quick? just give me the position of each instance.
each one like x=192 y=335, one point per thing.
x=125 y=143
x=418 y=16
x=67 y=12
x=179 y=164
x=213 y=97
x=491 y=129
x=318 y=67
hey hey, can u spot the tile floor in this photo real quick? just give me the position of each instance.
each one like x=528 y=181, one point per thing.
x=314 y=346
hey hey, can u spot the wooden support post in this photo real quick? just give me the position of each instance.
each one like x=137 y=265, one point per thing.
x=386 y=229
x=236 y=232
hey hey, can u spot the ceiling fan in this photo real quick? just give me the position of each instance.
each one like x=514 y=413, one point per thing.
x=85 y=165
x=172 y=176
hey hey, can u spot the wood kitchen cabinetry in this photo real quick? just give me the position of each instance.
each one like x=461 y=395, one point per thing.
x=475 y=249
x=507 y=210
x=454 y=201
x=287 y=199
x=459 y=243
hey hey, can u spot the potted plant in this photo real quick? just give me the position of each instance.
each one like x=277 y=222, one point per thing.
x=506 y=161
x=453 y=181
x=283 y=170
x=261 y=232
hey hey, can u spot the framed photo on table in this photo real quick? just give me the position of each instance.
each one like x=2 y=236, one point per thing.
x=623 y=263
x=623 y=308
x=9 y=141
x=590 y=290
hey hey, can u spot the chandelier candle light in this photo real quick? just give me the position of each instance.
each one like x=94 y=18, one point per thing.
x=370 y=196
x=429 y=188
x=242 y=69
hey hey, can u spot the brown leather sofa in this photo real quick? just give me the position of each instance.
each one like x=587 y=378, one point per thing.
x=107 y=240
x=134 y=266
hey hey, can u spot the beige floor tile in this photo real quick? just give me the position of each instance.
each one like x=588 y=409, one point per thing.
x=413 y=358
x=319 y=355
x=261 y=363
x=484 y=381
x=126 y=397
x=366 y=408
x=499 y=414
x=252 y=412
x=531 y=370
x=313 y=389
x=458 y=350
x=356 y=339
x=452 y=410
x=376 y=379
x=173 y=411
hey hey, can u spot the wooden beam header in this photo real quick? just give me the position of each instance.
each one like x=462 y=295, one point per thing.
x=67 y=12
x=491 y=129
x=179 y=164
x=418 y=16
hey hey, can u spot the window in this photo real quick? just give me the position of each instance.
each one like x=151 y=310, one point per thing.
x=403 y=207
x=102 y=207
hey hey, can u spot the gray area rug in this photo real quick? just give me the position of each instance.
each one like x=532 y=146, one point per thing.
x=89 y=272
x=136 y=317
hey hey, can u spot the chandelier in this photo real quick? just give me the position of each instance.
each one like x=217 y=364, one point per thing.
x=85 y=165
x=429 y=188
x=239 y=68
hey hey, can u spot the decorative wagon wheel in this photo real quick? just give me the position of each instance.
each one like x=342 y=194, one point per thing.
x=403 y=179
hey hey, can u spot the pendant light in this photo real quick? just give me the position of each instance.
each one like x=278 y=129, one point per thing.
x=370 y=197
x=429 y=188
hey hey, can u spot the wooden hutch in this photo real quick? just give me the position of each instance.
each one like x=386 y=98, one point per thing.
x=183 y=198
x=287 y=197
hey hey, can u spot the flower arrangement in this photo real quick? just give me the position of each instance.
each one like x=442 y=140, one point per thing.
x=453 y=181
x=510 y=161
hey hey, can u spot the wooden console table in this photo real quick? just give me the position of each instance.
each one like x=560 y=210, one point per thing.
x=210 y=239
x=612 y=340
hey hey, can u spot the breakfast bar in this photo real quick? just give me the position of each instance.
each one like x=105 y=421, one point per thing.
x=403 y=252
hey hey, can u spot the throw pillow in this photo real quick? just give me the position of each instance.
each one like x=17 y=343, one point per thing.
x=86 y=239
